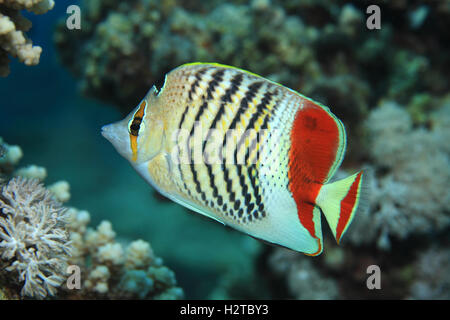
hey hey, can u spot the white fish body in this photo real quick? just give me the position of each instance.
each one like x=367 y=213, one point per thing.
x=244 y=151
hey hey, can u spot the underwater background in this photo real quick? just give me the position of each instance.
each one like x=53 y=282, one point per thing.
x=390 y=87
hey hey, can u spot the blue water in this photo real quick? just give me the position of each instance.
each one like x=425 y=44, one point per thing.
x=42 y=111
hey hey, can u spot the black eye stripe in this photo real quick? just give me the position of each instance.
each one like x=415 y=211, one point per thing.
x=135 y=126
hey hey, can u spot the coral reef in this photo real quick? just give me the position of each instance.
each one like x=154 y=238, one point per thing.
x=43 y=242
x=115 y=270
x=322 y=49
x=9 y=157
x=35 y=244
x=431 y=275
x=302 y=276
x=410 y=194
x=13 y=26
x=410 y=200
x=389 y=87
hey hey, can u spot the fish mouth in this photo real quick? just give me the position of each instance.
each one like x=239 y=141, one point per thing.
x=117 y=134
x=107 y=132
x=114 y=133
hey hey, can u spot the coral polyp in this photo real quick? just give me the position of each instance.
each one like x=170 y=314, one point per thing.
x=34 y=242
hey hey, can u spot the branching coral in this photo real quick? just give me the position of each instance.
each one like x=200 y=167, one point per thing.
x=13 y=26
x=116 y=271
x=34 y=242
x=39 y=239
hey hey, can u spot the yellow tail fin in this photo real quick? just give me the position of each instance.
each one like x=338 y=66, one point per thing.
x=341 y=200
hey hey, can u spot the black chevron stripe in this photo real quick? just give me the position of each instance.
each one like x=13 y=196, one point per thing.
x=252 y=167
x=260 y=112
x=198 y=78
x=217 y=77
x=183 y=116
x=251 y=124
x=227 y=97
x=246 y=193
x=234 y=87
x=249 y=95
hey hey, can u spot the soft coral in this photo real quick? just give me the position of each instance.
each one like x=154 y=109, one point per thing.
x=34 y=242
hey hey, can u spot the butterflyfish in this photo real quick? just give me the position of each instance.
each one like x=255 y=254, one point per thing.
x=245 y=151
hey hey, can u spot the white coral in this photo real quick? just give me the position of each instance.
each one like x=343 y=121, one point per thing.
x=34 y=242
x=139 y=255
x=32 y=172
x=111 y=254
x=98 y=279
x=113 y=270
x=11 y=155
x=410 y=194
x=13 y=26
x=61 y=190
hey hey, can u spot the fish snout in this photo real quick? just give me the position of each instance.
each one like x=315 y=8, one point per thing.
x=107 y=132
x=117 y=134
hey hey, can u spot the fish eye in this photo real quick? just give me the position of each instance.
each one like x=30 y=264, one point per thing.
x=136 y=123
x=134 y=126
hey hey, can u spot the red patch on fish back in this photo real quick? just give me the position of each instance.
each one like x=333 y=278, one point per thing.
x=314 y=142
